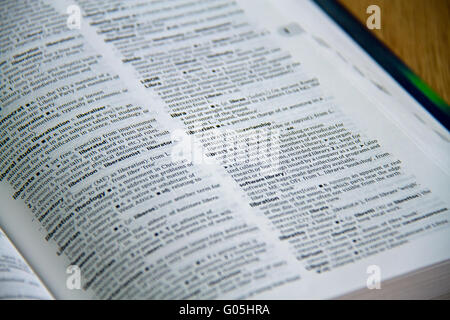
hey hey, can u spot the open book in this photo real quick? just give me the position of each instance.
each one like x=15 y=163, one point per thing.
x=223 y=149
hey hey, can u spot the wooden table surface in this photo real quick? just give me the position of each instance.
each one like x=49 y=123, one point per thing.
x=417 y=31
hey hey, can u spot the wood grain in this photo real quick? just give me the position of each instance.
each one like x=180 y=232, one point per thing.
x=417 y=31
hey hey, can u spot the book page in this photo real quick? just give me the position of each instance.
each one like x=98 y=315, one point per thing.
x=368 y=77
x=202 y=150
x=17 y=280
x=232 y=59
x=89 y=183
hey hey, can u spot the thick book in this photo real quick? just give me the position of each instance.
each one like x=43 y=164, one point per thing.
x=228 y=149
